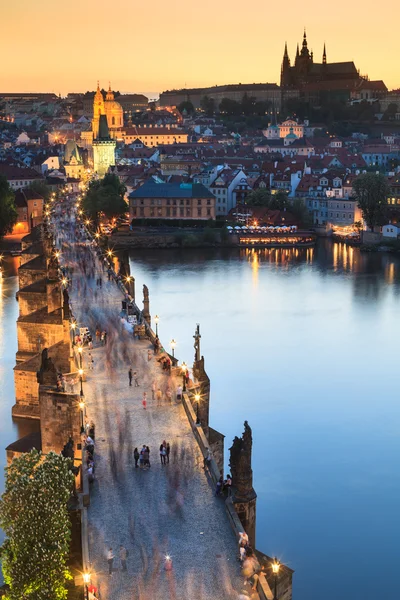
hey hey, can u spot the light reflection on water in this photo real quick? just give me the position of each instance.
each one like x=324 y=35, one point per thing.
x=303 y=343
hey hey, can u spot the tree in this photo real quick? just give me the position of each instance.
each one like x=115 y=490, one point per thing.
x=41 y=188
x=8 y=212
x=105 y=196
x=260 y=197
x=371 y=192
x=390 y=112
x=208 y=105
x=187 y=106
x=230 y=107
x=301 y=213
x=279 y=201
x=34 y=517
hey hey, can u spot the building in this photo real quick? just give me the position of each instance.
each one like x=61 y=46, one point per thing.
x=73 y=163
x=29 y=205
x=171 y=201
x=260 y=91
x=18 y=177
x=133 y=103
x=111 y=109
x=316 y=80
x=103 y=148
x=153 y=135
x=227 y=187
x=290 y=126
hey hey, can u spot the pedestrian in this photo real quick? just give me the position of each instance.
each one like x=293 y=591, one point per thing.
x=147 y=456
x=135 y=376
x=168 y=395
x=90 y=362
x=220 y=483
x=168 y=449
x=159 y=397
x=207 y=458
x=123 y=554
x=141 y=458
x=130 y=376
x=163 y=454
x=98 y=335
x=110 y=559
x=153 y=390
x=144 y=400
x=102 y=335
x=149 y=355
x=105 y=337
x=179 y=392
x=136 y=456
x=228 y=484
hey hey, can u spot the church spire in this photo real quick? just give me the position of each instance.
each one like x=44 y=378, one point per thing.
x=286 y=55
x=110 y=95
x=304 y=49
x=324 y=56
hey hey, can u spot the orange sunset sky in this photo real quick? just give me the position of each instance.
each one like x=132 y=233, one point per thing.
x=150 y=46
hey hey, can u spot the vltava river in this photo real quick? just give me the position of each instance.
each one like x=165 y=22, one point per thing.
x=304 y=345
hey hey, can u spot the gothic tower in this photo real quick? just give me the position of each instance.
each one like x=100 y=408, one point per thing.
x=285 y=70
x=103 y=148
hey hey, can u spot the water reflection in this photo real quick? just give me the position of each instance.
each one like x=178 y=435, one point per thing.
x=296 y=341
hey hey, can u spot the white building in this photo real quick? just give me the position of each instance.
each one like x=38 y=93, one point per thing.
x=390 y=231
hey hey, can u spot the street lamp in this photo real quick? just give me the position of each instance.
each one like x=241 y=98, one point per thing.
x=64 y=281
x=184 y=368
x=81 y=380
x=275 y=569
x=80 y=350
x=197 y=399
x=86 y=581
x=156 y=319
x=173 y=344
x=82 y=407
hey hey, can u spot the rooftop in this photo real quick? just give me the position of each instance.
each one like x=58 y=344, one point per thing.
x=150 y=189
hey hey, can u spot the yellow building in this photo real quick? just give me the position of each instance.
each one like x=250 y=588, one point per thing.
x=111 y=109
x=155 y=136
x=103 y=148
x=73 y=162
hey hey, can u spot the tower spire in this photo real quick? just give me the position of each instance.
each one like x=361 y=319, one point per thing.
x=324 y=55
x=285 y=55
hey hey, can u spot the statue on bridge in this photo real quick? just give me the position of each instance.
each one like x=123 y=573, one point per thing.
x=197 y=337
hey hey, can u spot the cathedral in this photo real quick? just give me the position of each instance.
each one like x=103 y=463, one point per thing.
x=304 y=73
x=111 y=109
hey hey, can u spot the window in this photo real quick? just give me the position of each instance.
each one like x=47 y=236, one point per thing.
x=181 y=212
x=142 y=212
x=188 y=212
x=134 y=201
x=199 y=202
x=159 y=212
x=199 y=212
x=141 y=202
x=151 y=212
x=188 y=202
x=208 y=212
x=174 y=202
x=168 y=202
x=208 y=201
x=134 y=212
x=181 y=203
x=152 y=202
x=174 y=212
x=159 y=202
x=168 y=211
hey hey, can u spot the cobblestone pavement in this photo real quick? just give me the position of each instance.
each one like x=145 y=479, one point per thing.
x=164 y=510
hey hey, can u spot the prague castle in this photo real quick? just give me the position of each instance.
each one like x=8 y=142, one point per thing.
x=305 y=71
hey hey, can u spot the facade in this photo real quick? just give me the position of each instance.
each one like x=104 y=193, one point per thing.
x=29 y=206
x=103 y=149
x=171 y=201
x=19 y=178
x=290 y=126
x=111 y=109
x=227 y=187
x=261 y=91
x=152 y=136
x=73 y=163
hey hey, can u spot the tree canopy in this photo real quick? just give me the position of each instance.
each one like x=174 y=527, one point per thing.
x=8 y=212
x=105 y=196
x=208 y=105
x=187 y=106
x=371 y=191
x=263 y=197
x=34 y=517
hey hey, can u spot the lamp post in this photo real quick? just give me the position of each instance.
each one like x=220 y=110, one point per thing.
x=81 y=380
x=86 y=581
x=275 y=569
x=156 y=319
x=184 y=368
x=197 y=399
x=173 y=344
x=82 y=407
x=80 y=350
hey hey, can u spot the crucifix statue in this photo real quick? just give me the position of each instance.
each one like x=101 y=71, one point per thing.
x=197 y=337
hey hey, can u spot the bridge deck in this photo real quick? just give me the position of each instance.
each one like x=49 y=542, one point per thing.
x=163 y=510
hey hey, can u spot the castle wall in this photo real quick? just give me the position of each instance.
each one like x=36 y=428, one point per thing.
x=59 y=419
x=28 y=276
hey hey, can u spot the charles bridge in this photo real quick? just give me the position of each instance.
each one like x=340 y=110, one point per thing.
x=166 y=511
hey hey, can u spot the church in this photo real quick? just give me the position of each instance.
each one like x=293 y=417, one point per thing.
x=305 y=71
x=318 y=81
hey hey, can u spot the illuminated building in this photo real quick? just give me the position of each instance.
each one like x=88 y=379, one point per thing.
x=103 y=148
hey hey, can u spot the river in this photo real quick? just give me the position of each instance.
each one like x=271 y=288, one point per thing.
x=303 y=344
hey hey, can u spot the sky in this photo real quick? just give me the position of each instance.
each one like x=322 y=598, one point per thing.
x=158 y=45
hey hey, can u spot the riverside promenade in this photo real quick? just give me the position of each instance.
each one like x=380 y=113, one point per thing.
x=163 y=511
